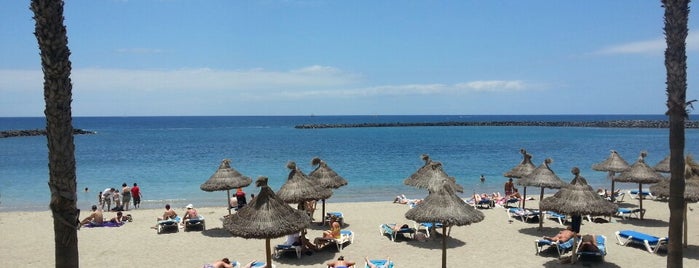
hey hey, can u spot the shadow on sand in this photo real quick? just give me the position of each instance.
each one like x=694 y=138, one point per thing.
x=435 y=242
x=217 y=232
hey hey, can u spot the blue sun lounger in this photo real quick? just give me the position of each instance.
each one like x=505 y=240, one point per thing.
x=601 y=246
x=652 y=243
x=388 y=229
x=636 y=194
x=561 y=248
x=380 y=263
x=169 y=224
x=625 y=213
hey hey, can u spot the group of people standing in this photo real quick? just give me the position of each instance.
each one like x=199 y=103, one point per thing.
x=121 y=199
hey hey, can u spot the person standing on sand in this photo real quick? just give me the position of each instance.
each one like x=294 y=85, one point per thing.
x=509 y=187
x=125 y=196
x=136 y=195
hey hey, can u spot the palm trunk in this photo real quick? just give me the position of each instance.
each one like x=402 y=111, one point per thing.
x=53 y=45
x=676 y=16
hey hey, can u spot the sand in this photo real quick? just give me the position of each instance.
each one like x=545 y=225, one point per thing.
x=27 y=239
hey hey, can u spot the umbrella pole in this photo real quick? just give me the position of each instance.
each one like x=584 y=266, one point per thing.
x=611 y=177
x=524 y=198
x=228 y=201
x=685 y=224
x=640 y=199
x=322 y=215
x=268 y=250
x=444 y=246
x=541 y=212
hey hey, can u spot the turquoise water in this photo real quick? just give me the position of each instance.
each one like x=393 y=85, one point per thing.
x=170 y=157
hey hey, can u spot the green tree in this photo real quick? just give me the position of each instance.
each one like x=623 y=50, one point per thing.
x=53 y=45
x=676 y=16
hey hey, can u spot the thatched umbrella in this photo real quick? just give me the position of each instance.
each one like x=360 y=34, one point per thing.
x=266 y=217
x=577 y=199
x=299 y=188
x=225 y=178
x=524 y=168
x=613 y=164
x=442 y=205
x=430 y=173
x=326 y=177
x=640 y=173
x=691 y=188
x=663 y=166
x=542 y=177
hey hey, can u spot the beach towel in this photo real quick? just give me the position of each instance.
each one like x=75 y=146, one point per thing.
x=104 y=224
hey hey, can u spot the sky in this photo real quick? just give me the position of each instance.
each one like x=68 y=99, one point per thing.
x=365 y=57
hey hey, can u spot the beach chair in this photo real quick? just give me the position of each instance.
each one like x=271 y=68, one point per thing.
x=429 y=227
x=198 y=223
x=388 y=229
x=561 y=247
x=168 y=225
x=338 y=215
x=523 y=214
x=346 y=236
x=556 y=216
x=601 y=246
x=625 y=213
x=380 y=263
x=652 y=243
x=279 y=250
x=512 y=200
x=635 y=194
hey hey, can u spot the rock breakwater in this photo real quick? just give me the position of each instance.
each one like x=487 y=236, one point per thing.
x=37 y=132
x=599 y=124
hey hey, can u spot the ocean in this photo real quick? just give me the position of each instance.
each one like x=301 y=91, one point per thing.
x=170 y=157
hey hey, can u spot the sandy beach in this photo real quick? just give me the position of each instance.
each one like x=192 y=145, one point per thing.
x=494 y=242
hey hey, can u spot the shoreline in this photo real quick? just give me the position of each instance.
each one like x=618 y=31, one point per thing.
x=494 y=241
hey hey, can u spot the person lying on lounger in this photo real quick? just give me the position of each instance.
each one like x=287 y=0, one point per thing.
x=562 y=236
x=588 y=243
x=340 y=263
x=371 y=265
x=333 y=233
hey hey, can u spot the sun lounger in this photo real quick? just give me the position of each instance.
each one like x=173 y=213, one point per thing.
x=625 y=213
x=429 y=227
x=199 y=222
x=169 y=224
x=523 y=214
x=561 y=247
x=380 y=263
x=512 y=200
x=556 y=216
x=645 y=194
x=346 y=236
x=601 y=246
x=338 y=215
x=281 y=249
x=388 y=229
x=652 y=243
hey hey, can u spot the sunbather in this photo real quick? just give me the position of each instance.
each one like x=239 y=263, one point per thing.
x=588 y=243
x=562 y=236
x=340 y=263
x=333 y=233
x=190 y=214
x=95 y=217
x=168 y=214
x=515 y=194
x=119 y=218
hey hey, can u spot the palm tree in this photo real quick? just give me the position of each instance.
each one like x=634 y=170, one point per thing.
x=676 y=16
x=53 y=44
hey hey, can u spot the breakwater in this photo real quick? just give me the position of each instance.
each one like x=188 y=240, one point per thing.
x=599 y=124
x=36 y=132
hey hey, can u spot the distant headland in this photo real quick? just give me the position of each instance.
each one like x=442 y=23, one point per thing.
x=598 y=124
x=36 y=132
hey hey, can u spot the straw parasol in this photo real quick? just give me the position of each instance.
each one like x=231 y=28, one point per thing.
x=266 y=217
x=542 y=177
x=524 y=168
x=326 y=177
x=691 y=188
x=577 y=199
x=443 y=206
x=613 y=164
x=663 y=166
x=299 y=188
x=430 y=173
x=225 y=178
x=640 y=173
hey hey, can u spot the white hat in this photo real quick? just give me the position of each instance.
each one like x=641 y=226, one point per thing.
x=189 y=206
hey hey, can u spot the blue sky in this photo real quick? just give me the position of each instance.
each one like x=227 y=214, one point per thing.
x=270 y=57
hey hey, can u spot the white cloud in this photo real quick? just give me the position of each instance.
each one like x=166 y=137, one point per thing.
x=655 y=46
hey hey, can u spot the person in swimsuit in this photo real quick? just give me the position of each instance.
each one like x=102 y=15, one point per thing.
x=223 y=263
x=509 y=187
x=589 y=243
x=562 y=236
x=125 y=196
x=371 y=265
x=95 y=218
x=340 y=263
x=333 y=233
